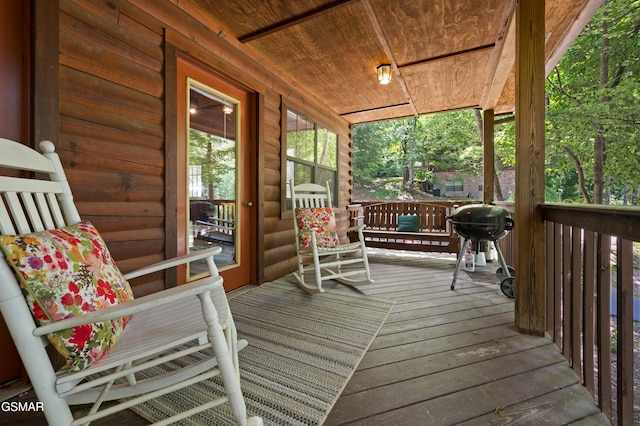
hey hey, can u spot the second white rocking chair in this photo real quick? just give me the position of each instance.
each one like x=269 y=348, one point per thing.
x=317 y=239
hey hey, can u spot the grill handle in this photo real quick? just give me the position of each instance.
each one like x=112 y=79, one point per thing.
x=509 y=223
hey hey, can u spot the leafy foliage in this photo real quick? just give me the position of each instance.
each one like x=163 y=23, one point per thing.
x=593 y=112
x=592 y=123
x=447 y=141
x=216 y=157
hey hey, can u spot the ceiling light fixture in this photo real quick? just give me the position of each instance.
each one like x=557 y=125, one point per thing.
x=227 y=109
x=384 y=73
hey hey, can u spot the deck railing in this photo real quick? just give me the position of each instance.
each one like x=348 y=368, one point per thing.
x=589 y=278
x=590 y=296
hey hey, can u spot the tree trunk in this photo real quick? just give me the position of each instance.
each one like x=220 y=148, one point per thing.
x=599 y=144
x=497 y=188
x=581 y=184
x=208 y=171
x=412 y=154
x=476 y=113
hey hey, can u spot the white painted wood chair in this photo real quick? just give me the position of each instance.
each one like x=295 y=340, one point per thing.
x=162 y=326
x=319 y=251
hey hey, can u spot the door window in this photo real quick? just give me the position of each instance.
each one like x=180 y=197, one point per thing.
x=212 y=175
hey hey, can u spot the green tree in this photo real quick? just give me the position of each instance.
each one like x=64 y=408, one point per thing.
x=374 y=151
x=414 y=147
x=593 y=112
x=216 y=157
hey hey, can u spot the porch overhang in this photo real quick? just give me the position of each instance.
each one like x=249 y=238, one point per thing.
x=446 y=55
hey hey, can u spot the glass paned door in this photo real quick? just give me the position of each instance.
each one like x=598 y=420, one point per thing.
x=213 y=139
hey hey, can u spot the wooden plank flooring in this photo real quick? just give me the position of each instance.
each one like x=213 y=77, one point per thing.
x=453 y=357
x=445 y=357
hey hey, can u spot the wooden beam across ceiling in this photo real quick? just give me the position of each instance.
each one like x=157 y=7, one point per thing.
x=502 y=63
x=580 y=21
x=387 y=49
x=294 y=20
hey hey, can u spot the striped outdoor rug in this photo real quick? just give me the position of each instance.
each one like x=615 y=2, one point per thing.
x=302 y=351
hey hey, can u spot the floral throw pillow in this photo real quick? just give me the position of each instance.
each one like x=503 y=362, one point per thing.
x=321 y=218
x=65 y=273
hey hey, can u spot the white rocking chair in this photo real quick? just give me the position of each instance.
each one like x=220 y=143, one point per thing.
x=162 y=326
x=317 y=238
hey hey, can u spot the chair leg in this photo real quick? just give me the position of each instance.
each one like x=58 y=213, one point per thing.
x=300 y=277
x=365 y=260
x=339 y=267
x=36 y=362
x=317 y=266
x=225 y=362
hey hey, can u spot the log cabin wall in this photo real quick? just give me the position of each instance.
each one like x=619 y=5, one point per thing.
x=113 y=136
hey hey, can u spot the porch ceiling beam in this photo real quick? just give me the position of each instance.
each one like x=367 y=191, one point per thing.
x=573 y=31
x=375 y=114
x=503 y=120
x=502 y=63
x=294 y=20
x=387 y=50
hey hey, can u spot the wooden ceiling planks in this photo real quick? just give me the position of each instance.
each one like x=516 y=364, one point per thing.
x=437 y=28
x=446 y=54
x=449 y=83
x=251 y=19
x=343 y=53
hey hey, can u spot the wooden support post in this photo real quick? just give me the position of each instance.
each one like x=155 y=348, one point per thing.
x=529 y=229
x=488 y=188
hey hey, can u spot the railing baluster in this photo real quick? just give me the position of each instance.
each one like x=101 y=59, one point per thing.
x=550 y=255
x=557 y=279
x=566 y=292
x=603 y=288
x=576 y=301
x=625 y=331
x=588 y=272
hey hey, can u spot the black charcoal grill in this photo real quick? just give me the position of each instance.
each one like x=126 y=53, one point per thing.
x=484 y=222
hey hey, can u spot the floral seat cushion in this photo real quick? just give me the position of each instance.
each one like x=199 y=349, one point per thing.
x=65 y=273
x=323 y=220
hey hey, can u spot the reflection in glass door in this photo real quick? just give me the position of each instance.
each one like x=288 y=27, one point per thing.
x=212 y=175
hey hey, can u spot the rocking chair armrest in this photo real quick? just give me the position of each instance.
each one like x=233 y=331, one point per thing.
x=175 y=261
x=134 y=306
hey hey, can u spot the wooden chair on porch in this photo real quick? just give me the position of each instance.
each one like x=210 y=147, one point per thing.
x=318 y=248
x=59 y=283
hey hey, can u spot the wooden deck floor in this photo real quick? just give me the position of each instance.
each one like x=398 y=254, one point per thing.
x=446 y=357
x=454 y=357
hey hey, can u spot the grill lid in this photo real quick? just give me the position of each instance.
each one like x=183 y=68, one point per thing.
x=479 y=214
x=481 y=221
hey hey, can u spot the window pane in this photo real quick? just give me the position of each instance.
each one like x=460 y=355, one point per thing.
x=300 y=173
x=454 y=186
x=312 y=154
x=212 y=165
x=300 y=137
x=324 y=176
x=327 y=148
